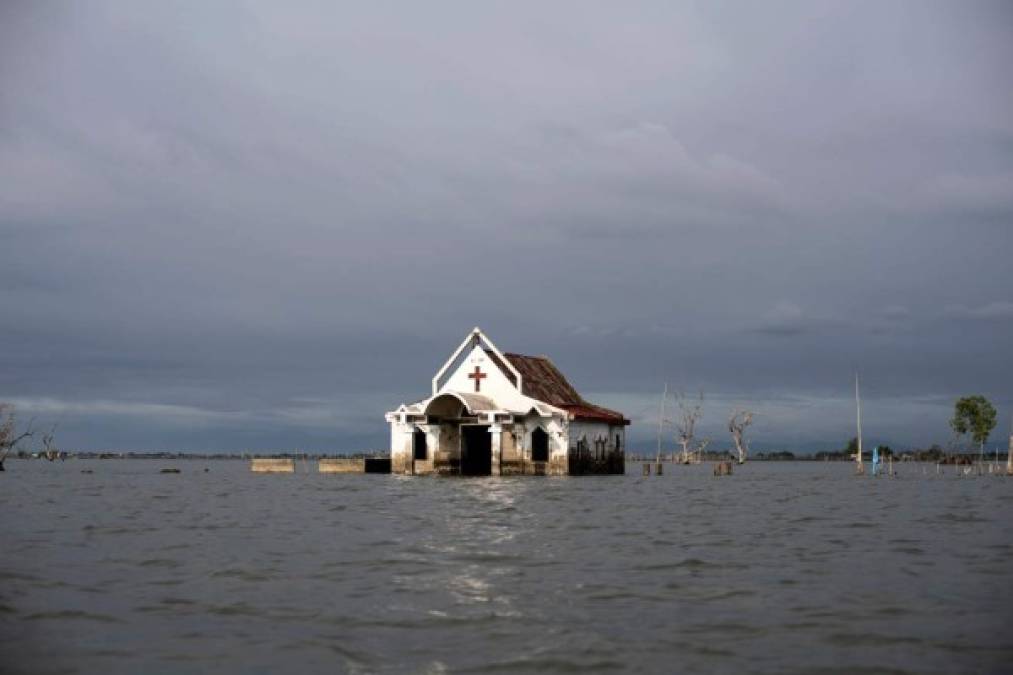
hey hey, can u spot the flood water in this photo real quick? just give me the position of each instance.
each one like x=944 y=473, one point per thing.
x=783 y=567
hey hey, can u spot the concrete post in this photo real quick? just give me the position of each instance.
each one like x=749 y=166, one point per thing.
x=497 y=447
x=407 y=455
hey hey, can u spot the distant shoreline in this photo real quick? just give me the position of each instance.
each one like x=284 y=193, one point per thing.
x=947 y=458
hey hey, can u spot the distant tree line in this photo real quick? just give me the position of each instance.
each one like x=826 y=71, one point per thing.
x=162 y=454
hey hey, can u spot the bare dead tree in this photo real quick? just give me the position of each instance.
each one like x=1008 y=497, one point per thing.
x=700 y=449
x=690 y=412
x=737 y=423
x=9 y=437
x=49 y=450
x=662 y=420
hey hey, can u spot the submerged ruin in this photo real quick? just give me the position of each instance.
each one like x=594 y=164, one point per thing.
x=495 y=413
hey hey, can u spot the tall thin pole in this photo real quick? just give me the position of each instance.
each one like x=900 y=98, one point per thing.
x=661 y=421
x=858 y=409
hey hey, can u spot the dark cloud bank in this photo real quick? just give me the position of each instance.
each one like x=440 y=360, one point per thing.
x=252 y=226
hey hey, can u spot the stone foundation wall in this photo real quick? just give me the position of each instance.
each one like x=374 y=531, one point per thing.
x=553 y=467
x=585 y=463
x=272 y=465
x=341 y=465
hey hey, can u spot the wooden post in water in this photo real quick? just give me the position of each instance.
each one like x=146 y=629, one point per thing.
x=647 y=468
x=659 y=467
x=661 y=429
x=1009 y=455
x=723 y=468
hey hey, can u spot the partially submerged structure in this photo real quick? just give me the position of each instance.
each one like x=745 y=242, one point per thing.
x=495 y=413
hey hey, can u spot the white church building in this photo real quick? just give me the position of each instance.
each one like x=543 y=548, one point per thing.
x=495 y=413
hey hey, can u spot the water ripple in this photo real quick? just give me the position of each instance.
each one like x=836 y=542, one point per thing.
x=785 y=567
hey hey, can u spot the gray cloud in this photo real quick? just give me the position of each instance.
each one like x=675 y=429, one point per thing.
x=991 y=310
x=785 y=318
x=250 y=224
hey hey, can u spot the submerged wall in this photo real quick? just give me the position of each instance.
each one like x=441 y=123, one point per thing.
x=341 y=465
x=264 y=465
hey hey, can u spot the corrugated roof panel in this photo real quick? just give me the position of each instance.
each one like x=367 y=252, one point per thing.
x=541 y=380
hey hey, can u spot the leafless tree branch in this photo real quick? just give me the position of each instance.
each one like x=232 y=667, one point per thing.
x=690 y=412
x=49 y=450
x=737 y=423
x=9 y=438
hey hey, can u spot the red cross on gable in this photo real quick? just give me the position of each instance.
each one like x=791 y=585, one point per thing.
x=478 y=376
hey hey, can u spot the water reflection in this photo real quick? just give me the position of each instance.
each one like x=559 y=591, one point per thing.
x=783 y=566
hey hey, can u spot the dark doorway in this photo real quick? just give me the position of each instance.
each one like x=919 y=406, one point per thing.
x=476 y=451
x=539 y=446
x=377 y=465
x=421 y=452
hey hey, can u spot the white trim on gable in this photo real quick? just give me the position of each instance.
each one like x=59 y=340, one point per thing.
x=475 y=337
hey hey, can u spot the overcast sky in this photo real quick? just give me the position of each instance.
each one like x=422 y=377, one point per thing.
x=261 y=225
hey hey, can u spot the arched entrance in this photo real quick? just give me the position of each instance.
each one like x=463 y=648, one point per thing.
x=476 y=450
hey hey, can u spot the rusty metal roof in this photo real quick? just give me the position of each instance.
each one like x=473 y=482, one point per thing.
x=541 y=380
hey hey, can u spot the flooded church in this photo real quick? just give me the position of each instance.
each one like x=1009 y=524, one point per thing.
x=495 y=413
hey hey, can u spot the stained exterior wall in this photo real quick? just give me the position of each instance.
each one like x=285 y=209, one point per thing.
x=448 y=450
x=596 y=448
x=400 y=447
x=519 y=461
x=567 y=453
x=514 y=448
x=510 y=451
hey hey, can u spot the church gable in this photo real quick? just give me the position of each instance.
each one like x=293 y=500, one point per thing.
x=479 y=373
x=477 y=367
